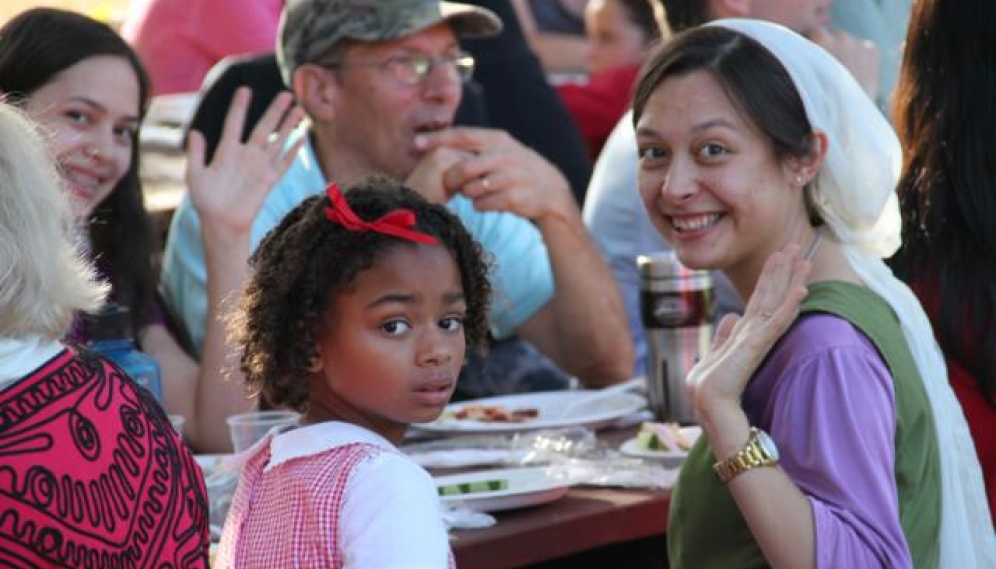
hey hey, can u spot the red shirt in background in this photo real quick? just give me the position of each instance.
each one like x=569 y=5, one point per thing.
x=979 y=413
x=597 y=105
x=180 y=40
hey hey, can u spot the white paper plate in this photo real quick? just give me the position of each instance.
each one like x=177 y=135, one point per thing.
x=551 y=406
x=526 y=487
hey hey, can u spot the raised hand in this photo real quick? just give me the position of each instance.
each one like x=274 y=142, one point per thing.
x=741 y=343
x=228 y=192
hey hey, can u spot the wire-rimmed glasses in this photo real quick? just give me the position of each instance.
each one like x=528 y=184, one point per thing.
x=413 y=69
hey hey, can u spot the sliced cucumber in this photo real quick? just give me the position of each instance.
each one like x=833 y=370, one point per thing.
x=650 y=441
x=472 y=487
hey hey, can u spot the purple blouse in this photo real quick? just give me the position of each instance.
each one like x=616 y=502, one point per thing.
x=826 y=397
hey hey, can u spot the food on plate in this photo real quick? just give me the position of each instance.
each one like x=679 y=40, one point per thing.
x=663 y=437
x=495 y=414
x=473 y=487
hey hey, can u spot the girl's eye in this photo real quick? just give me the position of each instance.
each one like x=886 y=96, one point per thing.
x=451 y=323
x=395 y=327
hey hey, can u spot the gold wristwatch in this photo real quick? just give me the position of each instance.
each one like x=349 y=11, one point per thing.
x=759 y=451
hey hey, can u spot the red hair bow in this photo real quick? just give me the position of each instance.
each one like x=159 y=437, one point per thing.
x=397 y=223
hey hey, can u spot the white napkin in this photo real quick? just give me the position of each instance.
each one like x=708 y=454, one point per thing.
x=457 y=516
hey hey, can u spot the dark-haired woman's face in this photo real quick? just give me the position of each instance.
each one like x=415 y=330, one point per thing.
x=711 y=182
x=91 y=112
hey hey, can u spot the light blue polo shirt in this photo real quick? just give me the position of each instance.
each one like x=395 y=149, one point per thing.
x=521 y=276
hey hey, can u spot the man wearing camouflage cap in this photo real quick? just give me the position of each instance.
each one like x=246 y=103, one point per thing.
x=380 y=81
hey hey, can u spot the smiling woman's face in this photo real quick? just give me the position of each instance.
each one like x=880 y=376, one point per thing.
x=710 y=180
x=90 y=111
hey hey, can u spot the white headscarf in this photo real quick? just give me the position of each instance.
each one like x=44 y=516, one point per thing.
x=854 y=193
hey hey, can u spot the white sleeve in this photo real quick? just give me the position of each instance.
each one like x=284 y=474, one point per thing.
x=391 y=517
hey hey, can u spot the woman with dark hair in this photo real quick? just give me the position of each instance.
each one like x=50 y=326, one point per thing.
x=87 y=89
x=944 y=116
x=831 y=437
x=50 y=61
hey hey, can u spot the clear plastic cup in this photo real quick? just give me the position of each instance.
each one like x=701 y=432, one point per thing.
x=178 y=421
x=247 y=428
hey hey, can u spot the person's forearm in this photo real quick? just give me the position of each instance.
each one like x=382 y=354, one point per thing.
x=592 y=337
x=778 y=514
x=221 y=387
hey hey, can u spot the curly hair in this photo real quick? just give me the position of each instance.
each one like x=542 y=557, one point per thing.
x=303 y=264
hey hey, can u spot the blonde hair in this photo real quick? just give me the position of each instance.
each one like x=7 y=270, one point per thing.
x=44 y=278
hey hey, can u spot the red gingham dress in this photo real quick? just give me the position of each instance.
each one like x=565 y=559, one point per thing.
x=304 y=531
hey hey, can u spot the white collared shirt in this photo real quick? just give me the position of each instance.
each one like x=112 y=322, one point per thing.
x=20 y=357
x=389 y=516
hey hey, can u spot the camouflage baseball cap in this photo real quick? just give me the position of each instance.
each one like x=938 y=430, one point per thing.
x=310 y=28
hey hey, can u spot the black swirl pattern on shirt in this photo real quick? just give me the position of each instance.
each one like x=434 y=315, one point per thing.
x=93 y=475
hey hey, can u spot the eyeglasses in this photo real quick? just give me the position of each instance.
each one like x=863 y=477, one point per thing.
x=413 y=69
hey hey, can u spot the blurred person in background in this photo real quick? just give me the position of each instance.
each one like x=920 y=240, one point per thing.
x=884 y=23
x=555 y=32
x=619 y=32
x=92 y=468
x=810 y=18
x=87 y=89
x=180 y=40
x=947 y=191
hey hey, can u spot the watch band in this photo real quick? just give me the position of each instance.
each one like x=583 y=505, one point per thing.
x=759 y=451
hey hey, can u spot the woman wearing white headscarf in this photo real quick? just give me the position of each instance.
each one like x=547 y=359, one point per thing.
x=831 y=438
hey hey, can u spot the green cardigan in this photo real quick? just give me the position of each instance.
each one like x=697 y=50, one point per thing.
x=706 y=530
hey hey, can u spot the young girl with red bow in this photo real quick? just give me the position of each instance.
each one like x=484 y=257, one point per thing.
x=358 y=312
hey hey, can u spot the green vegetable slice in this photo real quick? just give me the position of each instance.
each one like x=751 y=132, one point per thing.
x=473 y=487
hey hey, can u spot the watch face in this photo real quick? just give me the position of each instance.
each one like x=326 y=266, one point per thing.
x=768 y=445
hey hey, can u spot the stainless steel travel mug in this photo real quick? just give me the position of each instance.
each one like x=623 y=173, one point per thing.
x=677 y=306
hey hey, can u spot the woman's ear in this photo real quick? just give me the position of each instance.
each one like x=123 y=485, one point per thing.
x=315 y=88
x=804 y=169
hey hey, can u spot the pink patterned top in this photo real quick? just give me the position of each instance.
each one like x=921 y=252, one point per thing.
x=305 y=500
x=92 y=474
